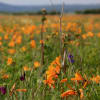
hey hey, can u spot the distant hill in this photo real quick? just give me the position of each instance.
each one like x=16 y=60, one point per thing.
x=89 y=11
x=67 y=8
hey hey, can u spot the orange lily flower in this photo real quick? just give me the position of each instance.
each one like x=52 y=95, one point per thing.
x=33 y=44
x=81 y=94
x=36 y=64
x=78 y=77
x=96 y=79
x=6 y=76
x=26 y=68
x=63 y=80
x=68 y=93
x=21 y=90
x=9 y=61
x=11 y=51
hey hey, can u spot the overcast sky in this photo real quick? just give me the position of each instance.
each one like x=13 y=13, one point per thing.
x=42 y=2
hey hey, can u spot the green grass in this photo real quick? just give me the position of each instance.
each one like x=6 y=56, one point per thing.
x=86 y=56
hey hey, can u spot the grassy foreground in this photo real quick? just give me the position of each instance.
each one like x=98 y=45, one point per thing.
x=21 y=75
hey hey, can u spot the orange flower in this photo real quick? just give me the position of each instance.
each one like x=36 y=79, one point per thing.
x=81 y=93
x=11 y=44
x=52 y=72
x=6 y=76
x=68 y=93
x=36 y=64
x=33 y=44
x=12 y=90
x=6 y=37
x=41 y=42
x=63 y=80
x=9 y=61
x=73 y=92
x=26 y=68
x=0 y=43
x=0 y=38
x=19 y=40
x=21 y=90
x=57 y=69
x=78 y=77
x=49 y=81
x=11 y=51
x=23 y=48
x=84 y=36
x=90 y=34
x=98 y=35
x=96 y=79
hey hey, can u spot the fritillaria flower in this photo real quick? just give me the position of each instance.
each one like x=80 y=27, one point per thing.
x=22 y=78
x=71 y=58
x=3 y=90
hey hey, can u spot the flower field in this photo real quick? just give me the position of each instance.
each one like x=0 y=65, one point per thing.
x=43 y=60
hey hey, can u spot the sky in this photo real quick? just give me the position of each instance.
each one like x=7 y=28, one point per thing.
x=44 y=2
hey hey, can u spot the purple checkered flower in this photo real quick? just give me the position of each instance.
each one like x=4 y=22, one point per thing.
x=71 y=58
x=22 y=78
x=3 y=90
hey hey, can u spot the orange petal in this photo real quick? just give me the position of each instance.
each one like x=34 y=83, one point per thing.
x=78 y=77
x=12 y=89
x=69 y=92
x=63 y=80
x=21 y=90
x=81 y=93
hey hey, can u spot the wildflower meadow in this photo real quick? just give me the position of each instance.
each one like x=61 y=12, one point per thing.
x=46 y=57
